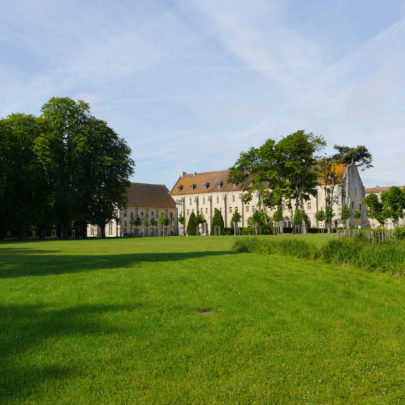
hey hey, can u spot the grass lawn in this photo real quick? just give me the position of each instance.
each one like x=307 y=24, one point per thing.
x=185 y=320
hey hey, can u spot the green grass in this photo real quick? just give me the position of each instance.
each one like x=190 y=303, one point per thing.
x=186 y=320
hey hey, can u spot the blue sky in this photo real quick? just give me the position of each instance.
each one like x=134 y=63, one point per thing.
x=191 y=83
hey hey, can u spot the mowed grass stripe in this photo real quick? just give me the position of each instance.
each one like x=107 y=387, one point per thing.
x=185 y=320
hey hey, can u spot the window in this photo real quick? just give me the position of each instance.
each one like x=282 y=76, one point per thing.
x=203 y=200
x=360 y=207
x=110 y=230
x=125 y=224
x=201 y=210
x=352 y=205
x=309 y=206
x=247 y=208
x=236 y=208
x=153 y=214
x=253 y=209
x=233 y=198
x=220 y=210
x=265 y=208
x=217 y=199
x=191 y=201
x=188 y=212
x=125 y=213
x=230 y=210
x=206 y=210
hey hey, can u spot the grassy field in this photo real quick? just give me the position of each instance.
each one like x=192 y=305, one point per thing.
x=186 y=320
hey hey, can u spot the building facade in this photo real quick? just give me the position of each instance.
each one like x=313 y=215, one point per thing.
x=377 y=190
x=144 y=201
x=204 y=192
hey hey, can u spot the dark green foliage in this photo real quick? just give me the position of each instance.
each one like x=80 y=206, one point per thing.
x=357 y=214
x=64 y=169
x=394 y=203
x=260 y=221
x=192 y=225
x=375 y=208
x=360 y=156
x=217 y=221
x=279 y=170
x=399 y=232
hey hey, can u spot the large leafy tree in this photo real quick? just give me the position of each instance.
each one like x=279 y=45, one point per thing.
x=300 y=152
x=107 y=168
x=394 y=203
x=375 y=208
x=258 y=170
x=282 y=170
x=59 y=151
x=87 y=162
x=23 y=187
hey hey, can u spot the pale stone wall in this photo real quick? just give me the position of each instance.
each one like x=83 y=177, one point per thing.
x=124 y=227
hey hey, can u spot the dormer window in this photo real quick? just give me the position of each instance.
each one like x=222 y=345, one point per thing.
x=220 y=185
x=206 y=185
x=180 y=187
x=193 y=186
x=235 y=185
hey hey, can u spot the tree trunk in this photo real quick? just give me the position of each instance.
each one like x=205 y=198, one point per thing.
x=102 y=227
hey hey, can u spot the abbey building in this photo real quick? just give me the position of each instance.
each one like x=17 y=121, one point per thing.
x=203 y=192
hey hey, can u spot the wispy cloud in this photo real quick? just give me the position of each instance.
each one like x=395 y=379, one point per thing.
x=191 y=83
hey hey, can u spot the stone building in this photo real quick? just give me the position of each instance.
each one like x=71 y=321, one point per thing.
x=203 y=192
x=377 y=190
x=144 y=201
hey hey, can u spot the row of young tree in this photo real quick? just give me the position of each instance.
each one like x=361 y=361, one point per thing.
x=60 y=170
x=136 y=222
x=391 y=206
x=287 y=172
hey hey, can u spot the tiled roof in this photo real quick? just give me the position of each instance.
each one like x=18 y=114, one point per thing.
x=149 y=196
x=210 y=182
x=378 y=189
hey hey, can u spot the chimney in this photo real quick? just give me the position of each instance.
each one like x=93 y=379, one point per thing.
x=183 y=174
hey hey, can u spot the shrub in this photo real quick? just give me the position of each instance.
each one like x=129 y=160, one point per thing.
x=217 y=220
x=399 y=232
x=192 y=225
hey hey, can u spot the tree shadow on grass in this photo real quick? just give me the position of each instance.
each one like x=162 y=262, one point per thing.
x=24 y=262
x=31 y=335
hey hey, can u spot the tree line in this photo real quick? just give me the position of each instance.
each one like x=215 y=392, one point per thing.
x=60 y=171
